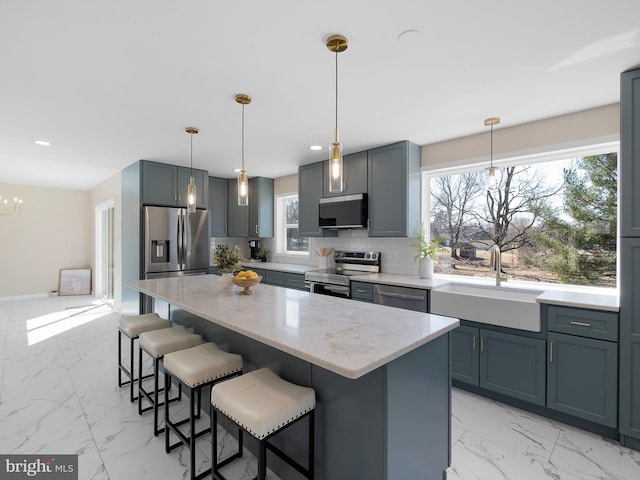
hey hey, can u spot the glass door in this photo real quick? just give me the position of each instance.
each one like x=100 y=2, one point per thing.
x=105 y=213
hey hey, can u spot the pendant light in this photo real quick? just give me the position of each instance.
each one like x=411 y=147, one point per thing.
x=243 y=183
x=336 y=44
x=491 y=170
x=191 y=188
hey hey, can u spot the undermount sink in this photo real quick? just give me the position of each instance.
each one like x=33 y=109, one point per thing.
x=502 y=306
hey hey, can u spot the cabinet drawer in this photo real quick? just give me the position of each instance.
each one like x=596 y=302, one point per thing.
x=585 y=323
x=362 y=291
x=294 y=280
x=275 y=278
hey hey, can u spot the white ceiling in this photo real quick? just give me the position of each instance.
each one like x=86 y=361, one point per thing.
x=109 y=82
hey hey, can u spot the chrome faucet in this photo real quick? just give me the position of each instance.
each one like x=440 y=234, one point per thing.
x=498 y=265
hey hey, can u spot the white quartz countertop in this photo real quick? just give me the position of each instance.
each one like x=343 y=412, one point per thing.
x=580 y=300
x=346 y=337
x=280 y=267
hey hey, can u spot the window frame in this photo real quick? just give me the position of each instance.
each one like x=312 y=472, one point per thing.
x=508 y=160
x=282 y=226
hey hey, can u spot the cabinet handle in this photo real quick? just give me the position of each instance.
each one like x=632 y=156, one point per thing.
x=482 y=344
x=580 y=324
x=175 y=197
x=474 y=342
x=550 y=352
x=360 y=290
x=293 y=280
x=256 y=228
x=368 y=224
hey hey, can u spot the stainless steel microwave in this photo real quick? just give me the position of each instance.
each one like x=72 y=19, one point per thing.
x=347 y=211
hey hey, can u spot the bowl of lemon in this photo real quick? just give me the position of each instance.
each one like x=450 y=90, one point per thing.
x=246 y=279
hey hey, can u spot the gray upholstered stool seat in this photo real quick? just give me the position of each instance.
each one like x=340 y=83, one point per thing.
x=195 y=367
x=157 y=343
x=132 y=327
x=263 y=404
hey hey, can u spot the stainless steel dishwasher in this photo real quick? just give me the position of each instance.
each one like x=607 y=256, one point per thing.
x=402 y=297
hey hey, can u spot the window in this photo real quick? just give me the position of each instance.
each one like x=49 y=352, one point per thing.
x=288 y=239
x=555 y=221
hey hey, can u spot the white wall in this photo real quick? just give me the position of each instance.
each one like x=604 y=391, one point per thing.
x=52 y=232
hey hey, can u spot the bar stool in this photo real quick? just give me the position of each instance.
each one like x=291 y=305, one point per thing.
x=195 y=367
x=262 y=404
x=132 y=327
x=157 y=343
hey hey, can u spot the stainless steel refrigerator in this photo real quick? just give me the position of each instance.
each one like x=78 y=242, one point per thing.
x=176 y=242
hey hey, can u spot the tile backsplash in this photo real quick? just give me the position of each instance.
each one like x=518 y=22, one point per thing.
x=397 y=253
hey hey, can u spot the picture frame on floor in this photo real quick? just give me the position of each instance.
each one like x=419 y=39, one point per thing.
x=75 y=281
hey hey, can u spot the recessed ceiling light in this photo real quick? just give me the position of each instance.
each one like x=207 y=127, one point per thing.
x=410 y=37
x=42 y=142
x=316 y=147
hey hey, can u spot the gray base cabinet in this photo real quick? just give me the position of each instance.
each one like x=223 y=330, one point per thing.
x=582 y=378
x=508 y=364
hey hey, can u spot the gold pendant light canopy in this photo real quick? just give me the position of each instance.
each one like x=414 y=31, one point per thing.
x=336 y=44
x=243 y=183
x=491 y=170
x=191 y=188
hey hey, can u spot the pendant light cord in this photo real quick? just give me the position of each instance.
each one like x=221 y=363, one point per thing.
x=491 y=142
x=336 y=96
x=243 y=137
x=191 y=168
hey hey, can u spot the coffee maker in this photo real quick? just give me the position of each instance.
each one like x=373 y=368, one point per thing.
x=254 y=246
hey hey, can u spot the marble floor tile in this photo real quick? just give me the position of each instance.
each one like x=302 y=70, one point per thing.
x=59 y=394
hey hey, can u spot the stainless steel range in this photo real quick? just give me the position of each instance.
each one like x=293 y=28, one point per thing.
x=337 y=281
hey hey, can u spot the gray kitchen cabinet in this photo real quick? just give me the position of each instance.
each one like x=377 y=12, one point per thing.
x=513 y=365
x=509 y=364
x=274 y=277
x=393 y=184
x=217 y=207
x=582 y=377
x=260 y=271
x=166 y=185
x=362 y=291
x=407 y=298
x=465 y=361
x=261 y=207
x=629 y=251
x=354 y=175
x=310 y=190
x=294 y=280
x=630 y=342
x=630 y=153
x=237 y=216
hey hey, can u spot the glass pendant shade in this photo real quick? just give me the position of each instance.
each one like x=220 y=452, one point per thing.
x=243 y=189
x=491 y=174
x=191 y=196
x=335 y=167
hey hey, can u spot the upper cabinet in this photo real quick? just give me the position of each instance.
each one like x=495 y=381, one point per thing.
x=394 y=190
x=255 y=220
x=630 y=153
x=217 y=207
x=310 y=190
x=354 y=175
x=166 y=185
x=261 y=207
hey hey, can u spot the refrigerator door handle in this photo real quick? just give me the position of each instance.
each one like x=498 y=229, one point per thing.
x=180 y=241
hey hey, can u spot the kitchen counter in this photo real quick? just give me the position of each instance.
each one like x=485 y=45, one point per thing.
x=553 y=294
x=280 y=267
x=382 y=376
x=345 y=337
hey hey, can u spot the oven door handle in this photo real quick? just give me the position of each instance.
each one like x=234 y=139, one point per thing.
x=337 y=289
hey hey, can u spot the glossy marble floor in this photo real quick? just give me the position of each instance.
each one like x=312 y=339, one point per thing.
x=58 y=394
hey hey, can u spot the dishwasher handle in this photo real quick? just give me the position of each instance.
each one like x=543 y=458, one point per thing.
x=402 y=296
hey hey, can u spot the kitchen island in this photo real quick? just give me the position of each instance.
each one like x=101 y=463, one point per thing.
x=381 y=374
